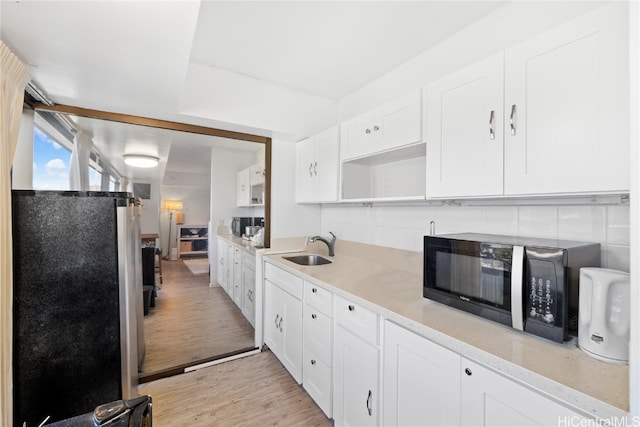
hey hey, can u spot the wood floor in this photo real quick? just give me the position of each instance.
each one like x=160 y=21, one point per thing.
x=191 y=321
x=253 y=391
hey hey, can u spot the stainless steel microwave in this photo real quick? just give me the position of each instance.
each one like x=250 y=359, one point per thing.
x=530 y=284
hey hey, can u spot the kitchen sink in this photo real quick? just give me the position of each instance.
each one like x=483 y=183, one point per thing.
x=308 y=259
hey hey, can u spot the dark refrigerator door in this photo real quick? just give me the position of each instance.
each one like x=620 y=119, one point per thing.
x=67 y=357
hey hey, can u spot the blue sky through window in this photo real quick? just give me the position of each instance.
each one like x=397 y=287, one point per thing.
x=50 y=163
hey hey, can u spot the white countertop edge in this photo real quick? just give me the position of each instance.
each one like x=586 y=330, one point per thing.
x=580 y=402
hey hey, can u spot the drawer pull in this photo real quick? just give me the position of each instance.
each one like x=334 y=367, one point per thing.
x=313 y=362
x=369 y=398
x=468 y=371
x=351 y=308
x=314 y=290
x=313 y=316
x=277 y=316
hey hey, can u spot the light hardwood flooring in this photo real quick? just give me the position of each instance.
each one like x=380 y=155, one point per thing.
x=191 y=321
x=252 y=391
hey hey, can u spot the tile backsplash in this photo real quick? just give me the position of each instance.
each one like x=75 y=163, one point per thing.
x=403 y=227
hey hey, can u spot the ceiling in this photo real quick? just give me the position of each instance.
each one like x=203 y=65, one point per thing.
x=269 y=68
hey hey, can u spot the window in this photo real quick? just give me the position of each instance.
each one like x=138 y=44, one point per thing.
x=95 y=179
x=50 y=162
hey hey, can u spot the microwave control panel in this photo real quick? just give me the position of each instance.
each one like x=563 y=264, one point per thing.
x=545 y=312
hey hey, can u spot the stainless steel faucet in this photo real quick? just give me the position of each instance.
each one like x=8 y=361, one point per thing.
x=330 y=244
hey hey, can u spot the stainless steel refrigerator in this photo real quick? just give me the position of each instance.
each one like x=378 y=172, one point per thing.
x=77 y=302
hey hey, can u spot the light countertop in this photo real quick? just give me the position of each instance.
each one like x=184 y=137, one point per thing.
x=389 y=281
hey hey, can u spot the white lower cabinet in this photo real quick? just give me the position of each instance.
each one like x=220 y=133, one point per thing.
x=421 y=381
x=356 y=397
x=490 y=399
x=249 y=287
x=237 y=277
x=221 y=271
x=282 y=324
x=317 y=370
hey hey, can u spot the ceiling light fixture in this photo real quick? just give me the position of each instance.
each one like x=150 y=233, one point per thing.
x=141 y=160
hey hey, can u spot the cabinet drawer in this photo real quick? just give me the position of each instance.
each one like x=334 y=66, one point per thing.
x=316 y=380
x=319 y=298
x=357 y=319
x=318 y=333
x=284 y=280
x=249 y=260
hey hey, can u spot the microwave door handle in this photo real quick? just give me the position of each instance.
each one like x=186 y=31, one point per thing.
x=517 y=276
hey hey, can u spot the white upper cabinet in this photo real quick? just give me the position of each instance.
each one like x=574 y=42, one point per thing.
x=250 y=186
x=391 y=126
x=567 y=107
x=464 y=131
x=317 y=166
x=243 y=187
x=563 y=127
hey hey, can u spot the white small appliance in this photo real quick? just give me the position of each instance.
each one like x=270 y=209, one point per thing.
x=603 y=319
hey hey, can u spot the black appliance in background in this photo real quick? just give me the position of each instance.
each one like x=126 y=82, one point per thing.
x=77 y=302
x=530 y=284
x=238 y=224
x=135 y=412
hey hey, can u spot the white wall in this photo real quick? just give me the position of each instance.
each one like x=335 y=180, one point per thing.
x=150 y=216
x=403 y=227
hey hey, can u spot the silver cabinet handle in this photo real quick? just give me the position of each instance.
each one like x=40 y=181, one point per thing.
x=315 y=168
x=369 y=398
x=310 y=168
x=277 y=316
x=376 y=128
x=351 y=308
x=313 y=362
x=512 y=123
x=280 y=323
x=491 y=133
x=314 y=290
x=313 y=316
x=367 y=131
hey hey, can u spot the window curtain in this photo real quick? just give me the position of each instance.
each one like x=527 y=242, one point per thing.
x=79 y=163
x=13 y=79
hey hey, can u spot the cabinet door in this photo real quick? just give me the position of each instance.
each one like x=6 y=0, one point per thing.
x=257 y=174
x=305 y=181
x=355 y=399
x=326 y=167
x=464 y=132
x=489 y=399
x=229 y=270
x=249 y=287
x=272 y=310
x=243 y=188
x=221 y=273
x=237 y=277
x=356 y=137
x=566 y=107
x=422 y=381
x=398 y=123
x=291 y=328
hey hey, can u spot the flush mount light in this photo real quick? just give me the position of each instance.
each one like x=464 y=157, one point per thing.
x=141 y=160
